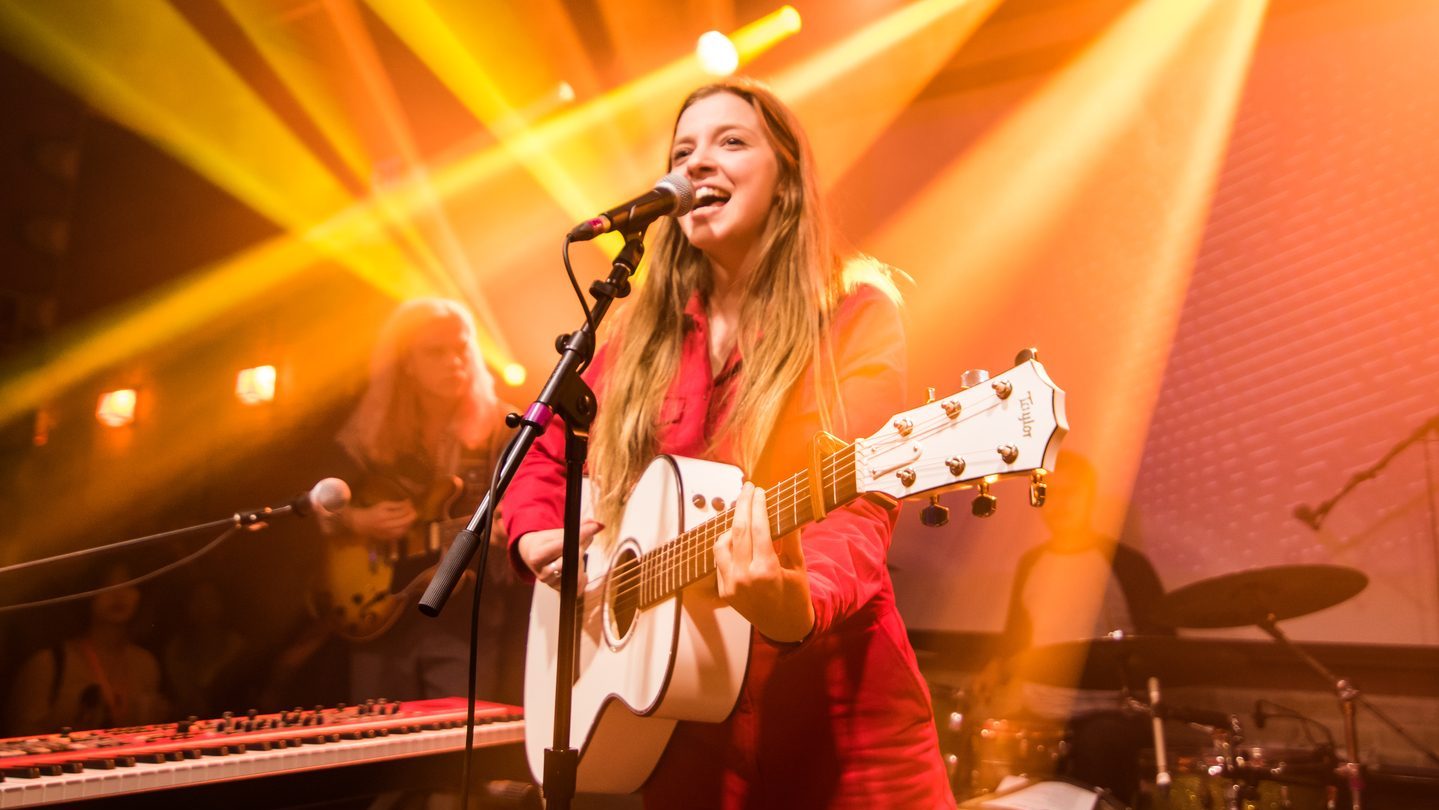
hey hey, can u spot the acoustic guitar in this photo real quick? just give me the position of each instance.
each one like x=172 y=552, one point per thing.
x=653 y=650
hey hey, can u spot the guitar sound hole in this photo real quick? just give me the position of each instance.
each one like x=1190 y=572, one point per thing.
x=624 y=596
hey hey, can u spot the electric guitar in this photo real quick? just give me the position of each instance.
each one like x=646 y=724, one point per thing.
x=358 y=595
x=653 y=651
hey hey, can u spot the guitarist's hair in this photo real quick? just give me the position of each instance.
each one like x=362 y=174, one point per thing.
x=783 y=330
x=386 y=423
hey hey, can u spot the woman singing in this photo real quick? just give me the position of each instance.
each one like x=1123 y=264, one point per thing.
x=746 y=339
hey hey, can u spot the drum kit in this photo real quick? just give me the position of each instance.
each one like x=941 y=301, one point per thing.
x=999 y=763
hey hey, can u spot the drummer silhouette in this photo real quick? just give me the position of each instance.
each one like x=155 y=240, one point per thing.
x=1079 y=584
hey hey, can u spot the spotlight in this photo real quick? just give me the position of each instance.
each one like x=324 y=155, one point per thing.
x=116 y=408
x=717 y=54
x=513 y=374
x=789 y=20
x=255 y=385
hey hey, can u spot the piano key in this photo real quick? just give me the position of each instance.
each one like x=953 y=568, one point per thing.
x=172 y=763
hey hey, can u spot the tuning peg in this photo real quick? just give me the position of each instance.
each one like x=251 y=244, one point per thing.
x=934 y=515
x=930 y=397
x=984 y=503
x=1037 y=488
x=972 y=377
x=1025 y=355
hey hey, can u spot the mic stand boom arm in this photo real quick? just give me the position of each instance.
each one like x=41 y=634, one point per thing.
x=564 y=394
x=1314 y=517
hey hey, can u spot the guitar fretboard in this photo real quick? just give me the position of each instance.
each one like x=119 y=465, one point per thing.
x=686 y=559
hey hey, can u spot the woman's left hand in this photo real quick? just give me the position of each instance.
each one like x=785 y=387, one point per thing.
x=768 y=586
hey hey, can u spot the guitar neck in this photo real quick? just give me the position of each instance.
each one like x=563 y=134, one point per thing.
x=688 y=558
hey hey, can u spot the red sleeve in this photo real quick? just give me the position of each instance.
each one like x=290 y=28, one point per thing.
x=845 y=553
x=535 y=499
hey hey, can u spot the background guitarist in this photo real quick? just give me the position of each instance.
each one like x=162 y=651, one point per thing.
x=428 y=422
x=745 y=339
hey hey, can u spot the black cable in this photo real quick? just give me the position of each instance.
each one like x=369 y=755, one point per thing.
x=191 y=557
x=575 y=283
x=85 y=552
x=475 y=628
x=1286 y=713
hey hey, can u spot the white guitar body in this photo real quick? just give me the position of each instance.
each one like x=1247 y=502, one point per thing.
x=683 y=658
x=657 y=646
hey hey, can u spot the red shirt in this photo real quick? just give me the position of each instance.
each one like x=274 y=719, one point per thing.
x=843 y=719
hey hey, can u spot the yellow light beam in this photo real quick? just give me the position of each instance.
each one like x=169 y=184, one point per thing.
x=209 y=434
x=560 y=154
x=177 y=308
x=421 y=26
x=122 y=57
x=1073 y=225
x=315 y=60
x=879 y=69
x=362 y=54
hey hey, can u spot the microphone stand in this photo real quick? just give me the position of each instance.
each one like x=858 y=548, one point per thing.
x=1315 y=517
x=564 y=394
x=1349 y=700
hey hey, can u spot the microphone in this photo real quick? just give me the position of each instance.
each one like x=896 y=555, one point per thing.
x=1306 y=514
x=328 y=496
x=672 y=196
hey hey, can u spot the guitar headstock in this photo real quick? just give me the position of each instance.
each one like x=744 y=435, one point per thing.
x=1007 y=426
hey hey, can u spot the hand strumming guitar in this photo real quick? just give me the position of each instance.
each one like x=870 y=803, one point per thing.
x=541 y=551
x=386 y=521
x=768 y=586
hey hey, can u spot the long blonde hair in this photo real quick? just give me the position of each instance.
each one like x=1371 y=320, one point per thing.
x=388 y=421
x=783 y=324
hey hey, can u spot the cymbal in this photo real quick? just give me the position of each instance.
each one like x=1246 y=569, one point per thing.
x=1252 y=597
x=1117 y=662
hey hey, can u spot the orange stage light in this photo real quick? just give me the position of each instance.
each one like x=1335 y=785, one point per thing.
x=255 y=385
x=116 y=408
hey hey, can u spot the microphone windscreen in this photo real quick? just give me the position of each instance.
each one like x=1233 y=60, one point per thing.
x=683 y=189
x=330 y=495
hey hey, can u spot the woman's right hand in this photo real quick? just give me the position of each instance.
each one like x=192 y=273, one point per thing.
x=541 y=550
x=386 y=521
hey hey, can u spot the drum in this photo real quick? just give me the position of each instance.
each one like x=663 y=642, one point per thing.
x=1046 y=794
x=1255 y=779
x=1009 y=749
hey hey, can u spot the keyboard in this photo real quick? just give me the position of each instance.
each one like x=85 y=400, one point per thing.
x=73 y=766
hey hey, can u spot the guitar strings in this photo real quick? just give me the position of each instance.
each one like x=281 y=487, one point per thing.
x=675 y=556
